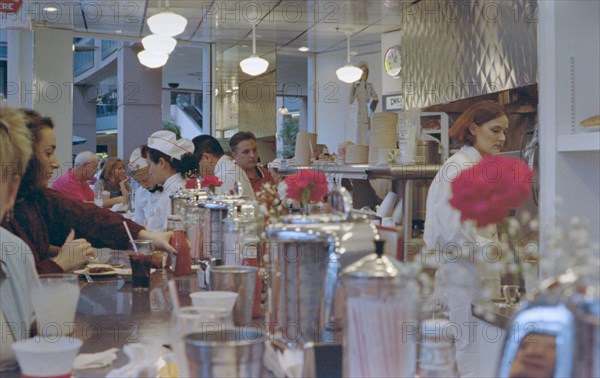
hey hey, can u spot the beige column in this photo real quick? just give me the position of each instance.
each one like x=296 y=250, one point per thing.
x=140 y=94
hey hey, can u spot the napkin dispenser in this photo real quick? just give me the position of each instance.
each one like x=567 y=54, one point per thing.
x=559 y=327
x=305 y=255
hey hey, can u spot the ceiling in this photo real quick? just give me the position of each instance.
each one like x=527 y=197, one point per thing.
x=281 y=25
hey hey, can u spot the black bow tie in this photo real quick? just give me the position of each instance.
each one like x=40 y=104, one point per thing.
x=157 y=188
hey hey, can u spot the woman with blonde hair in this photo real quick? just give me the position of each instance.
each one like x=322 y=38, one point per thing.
x=114 y=180
x=44 y=217
x=17 y=273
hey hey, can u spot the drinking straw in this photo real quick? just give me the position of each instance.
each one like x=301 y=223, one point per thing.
x=130 y=237
x=173 y=295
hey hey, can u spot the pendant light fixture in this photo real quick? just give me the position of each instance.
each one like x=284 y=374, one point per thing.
x=283 y=110
x=152 y=59
x=349 y=73
x=254 y=65
x=159 y=43
x=167 y=23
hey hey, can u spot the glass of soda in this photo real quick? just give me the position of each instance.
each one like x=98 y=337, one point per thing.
x=141 y=263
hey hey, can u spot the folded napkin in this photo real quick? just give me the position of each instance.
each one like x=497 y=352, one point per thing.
x=95 y=360
x=142 y=362
x=288 y=363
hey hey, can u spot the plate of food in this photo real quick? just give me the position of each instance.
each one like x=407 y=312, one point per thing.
x=98 y=270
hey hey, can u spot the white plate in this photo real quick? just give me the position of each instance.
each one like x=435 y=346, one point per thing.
x=83 y=271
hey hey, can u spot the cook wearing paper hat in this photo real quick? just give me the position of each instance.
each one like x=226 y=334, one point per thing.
x=136 y=162
x=167 y=143
x=169 y=160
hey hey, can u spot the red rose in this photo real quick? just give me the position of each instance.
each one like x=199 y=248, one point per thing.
x=210 y=181
x=307 y=186
x=487 y=191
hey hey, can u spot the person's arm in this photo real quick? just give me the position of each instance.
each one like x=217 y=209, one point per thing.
x=101 y=227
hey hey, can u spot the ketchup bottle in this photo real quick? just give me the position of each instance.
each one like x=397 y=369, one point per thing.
x=183 y=260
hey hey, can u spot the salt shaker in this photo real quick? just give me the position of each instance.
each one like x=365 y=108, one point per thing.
x=381 y=321
x=437 y=358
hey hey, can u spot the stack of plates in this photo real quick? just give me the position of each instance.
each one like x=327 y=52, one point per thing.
x=357 y=154
x=383 y=134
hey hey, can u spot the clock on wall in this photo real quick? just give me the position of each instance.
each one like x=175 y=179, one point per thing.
x=392 y=61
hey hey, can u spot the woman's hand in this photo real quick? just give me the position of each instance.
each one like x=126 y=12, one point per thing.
x=74 y=253
x=123 y=187
x=160 y=239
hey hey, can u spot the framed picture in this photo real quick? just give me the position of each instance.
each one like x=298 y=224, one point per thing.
x=393 y=102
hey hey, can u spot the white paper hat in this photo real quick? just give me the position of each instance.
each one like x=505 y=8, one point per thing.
x=167 y=143
x=137 y=161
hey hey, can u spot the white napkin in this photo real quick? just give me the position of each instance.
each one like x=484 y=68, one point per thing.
x=142 y=362
x=288 y=363
x=95 y=360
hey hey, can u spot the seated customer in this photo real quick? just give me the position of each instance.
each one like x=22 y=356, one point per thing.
x=213 y=161
x=74 y=182
x=17 y=270
x=43 y=217
x=113 y=180
x=245 y=153
x=147 y=195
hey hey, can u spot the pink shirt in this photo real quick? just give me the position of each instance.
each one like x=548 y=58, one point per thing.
x=68 y=185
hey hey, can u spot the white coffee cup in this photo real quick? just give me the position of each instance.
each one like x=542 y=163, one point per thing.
x=46 y=356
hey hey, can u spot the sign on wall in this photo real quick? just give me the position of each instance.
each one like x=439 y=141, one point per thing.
x=13 y=15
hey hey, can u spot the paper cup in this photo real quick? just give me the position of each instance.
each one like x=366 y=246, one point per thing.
x=216 y=299
x=387 y=206
x=46 y=356
x=397 y=213
x=306 y=143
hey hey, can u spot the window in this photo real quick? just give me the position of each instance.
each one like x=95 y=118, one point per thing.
x=3 y=69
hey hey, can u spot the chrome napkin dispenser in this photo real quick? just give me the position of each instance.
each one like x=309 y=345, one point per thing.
x=557 y=333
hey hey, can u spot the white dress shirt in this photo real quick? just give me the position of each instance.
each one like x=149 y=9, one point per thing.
x=229 y=173
x=157 y=219
x=144 y=205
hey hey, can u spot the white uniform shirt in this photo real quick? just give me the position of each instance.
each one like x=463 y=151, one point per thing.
x=229 y=173
x=16 y=310
x=144 y=205
x=460 y=281
x=157 y=220
x=442 y=221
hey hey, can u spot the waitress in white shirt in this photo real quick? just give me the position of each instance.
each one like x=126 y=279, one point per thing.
x=170 y=161
x=482 y=128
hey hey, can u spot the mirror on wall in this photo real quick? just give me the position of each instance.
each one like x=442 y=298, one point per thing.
x=244 y=102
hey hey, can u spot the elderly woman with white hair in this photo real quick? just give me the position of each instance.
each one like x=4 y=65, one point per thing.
x=17 y=273
x=170 y=162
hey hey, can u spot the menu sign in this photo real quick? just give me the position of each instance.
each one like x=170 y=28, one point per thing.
x=10 y=6
x=13 y=15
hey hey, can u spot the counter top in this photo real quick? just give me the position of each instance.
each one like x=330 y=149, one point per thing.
x=367 y=171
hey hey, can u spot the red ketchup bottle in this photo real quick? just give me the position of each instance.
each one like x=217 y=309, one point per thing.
x=183 y=259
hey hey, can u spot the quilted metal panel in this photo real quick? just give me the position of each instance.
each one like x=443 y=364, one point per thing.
x=453 y=50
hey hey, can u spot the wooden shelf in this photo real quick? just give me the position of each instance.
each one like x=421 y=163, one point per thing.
x=579 y=142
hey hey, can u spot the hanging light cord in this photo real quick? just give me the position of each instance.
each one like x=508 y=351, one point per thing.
x=348 y=47
x=253 y=39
